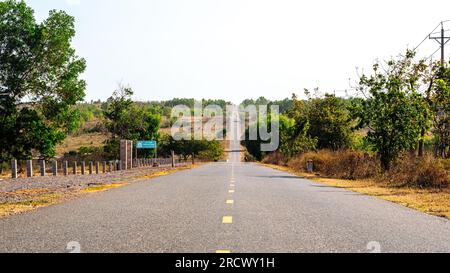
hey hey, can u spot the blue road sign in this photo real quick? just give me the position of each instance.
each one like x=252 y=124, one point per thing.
x=146 y=145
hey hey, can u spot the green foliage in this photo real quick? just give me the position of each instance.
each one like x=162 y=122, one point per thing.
x=329 y=122
x=284 y=105
x=39 y=81
x=294 y=138
x=127 y=120
x=395 y=112
x=440 y=104
x=204 y=149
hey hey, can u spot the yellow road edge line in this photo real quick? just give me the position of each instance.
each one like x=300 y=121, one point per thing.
x=227 y=220
x=223 y=252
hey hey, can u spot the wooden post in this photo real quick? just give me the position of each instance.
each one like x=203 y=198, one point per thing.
x=173 y=158
x=14 y=169
x=110 y=166
x=97 y=167
x=104 y=166
x=91 y=167
x=310 y=166
x=83 y=168
x=55 y=168
x=29 y=168
x=42 y=167
x=66 y=168
x=75 y=171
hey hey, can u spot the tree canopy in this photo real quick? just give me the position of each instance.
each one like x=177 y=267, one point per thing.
x=39 y=81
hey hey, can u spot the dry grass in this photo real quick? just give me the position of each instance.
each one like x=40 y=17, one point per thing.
x=344 y=164
x=35 y=202
x=101 y=188
x=423 y=172
x=431 y=201
x=73 y=143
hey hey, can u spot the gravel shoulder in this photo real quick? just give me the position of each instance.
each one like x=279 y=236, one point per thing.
x=25 y=194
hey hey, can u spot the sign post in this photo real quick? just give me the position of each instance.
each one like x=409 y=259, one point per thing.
x=144 y=144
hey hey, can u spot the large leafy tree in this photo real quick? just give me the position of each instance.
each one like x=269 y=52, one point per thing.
x=127 y=120
x=39 y=81
x=395 y=111
x=440 y=104
x=294 y=138
x=329 y=122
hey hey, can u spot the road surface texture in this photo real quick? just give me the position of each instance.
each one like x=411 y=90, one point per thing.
x=232 y=206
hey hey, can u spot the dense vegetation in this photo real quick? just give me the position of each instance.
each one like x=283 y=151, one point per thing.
x=39 y=81
x=404 y=105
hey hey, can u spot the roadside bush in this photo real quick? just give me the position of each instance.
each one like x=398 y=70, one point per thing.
x=345 y=164
x=423 y=172
x=407 y=171
x=249 y=158
x=275 y=158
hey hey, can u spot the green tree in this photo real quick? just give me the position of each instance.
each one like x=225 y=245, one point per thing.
x=128 y=120
x=440 y=103
x=39 y=81
x=394 y=111
x=294 y=138
x=329 y=122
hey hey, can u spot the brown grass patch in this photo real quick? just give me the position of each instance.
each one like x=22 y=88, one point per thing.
x=344 y=164
x=7 y=209
x=101 y=188
x=74 y=142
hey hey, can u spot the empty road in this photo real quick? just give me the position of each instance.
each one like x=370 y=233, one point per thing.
x=229 y=207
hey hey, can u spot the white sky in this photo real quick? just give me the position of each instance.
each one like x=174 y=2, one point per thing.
x=236 y=49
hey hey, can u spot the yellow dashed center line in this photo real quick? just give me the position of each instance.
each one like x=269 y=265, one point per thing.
x=231 y=191
x=223 y=252
x=230 y=202
x=227 y=220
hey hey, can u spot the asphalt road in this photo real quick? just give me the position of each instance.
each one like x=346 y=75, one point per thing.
x=232 y=207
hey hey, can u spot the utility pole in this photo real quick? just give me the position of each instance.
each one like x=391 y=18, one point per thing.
x=442 y=40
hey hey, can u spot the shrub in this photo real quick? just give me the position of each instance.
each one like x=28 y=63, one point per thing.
x=275 y=158
x=249 y=157
x=345 y=164
x=421 y=172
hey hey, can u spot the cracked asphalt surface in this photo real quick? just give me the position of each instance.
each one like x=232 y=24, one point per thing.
x=273 y=211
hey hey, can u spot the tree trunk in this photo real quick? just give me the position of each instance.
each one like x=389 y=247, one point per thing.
x=422 y=143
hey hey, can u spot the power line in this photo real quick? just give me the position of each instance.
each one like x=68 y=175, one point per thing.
x=442 y=40
x=428 y=36
x=431 y=56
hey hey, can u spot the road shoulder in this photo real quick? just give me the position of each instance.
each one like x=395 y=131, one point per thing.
x=38 y=193
x=430 y=201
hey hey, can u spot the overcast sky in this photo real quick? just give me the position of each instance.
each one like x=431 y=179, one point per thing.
x=236 y=49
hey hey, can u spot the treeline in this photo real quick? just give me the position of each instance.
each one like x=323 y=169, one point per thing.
x=403 y=105
x=92 y=114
